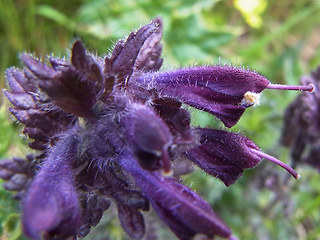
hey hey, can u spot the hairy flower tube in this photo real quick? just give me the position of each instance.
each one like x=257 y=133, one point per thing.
x=113 y=129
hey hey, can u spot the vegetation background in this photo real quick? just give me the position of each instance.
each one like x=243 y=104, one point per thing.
x=279 y=39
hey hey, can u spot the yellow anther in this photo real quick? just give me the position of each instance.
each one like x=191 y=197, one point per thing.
x=251 y=98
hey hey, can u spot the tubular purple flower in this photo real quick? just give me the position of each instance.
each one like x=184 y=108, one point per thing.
x=178 y=206
x=223 y=91
x=226 y=155
x=218 y=90
x=51 y=206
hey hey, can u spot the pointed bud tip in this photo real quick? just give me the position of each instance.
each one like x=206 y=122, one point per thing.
x=298 y=176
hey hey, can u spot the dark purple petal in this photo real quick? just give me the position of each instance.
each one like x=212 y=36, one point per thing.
x=128 y=201
x=219 y=90
x=79 y=57
x=177 y=118
x=16 y=80
x=39 y=69
x=182 y=231
x=18 y=174
x=51 y=205
x=72 y=90
x=38 y=145
x=18 y=182
x=68 y=92
x=85 y=64
x=29 y=107
x=179 y=207
x=141 y=51
x=31 y=117
x=91 y=72
x=21 y=100
x=135 y=199
x=59 y=64
x=149 y=137
x=131 y=221
x=93 y=206
x=131 y=198
x=36 y=133
x=149 y=56
x=224 y=155
x=199 y=218
x=9 y=167
x=42 y=125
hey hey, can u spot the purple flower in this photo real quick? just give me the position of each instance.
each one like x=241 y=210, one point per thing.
x=177 y=205
x=218 y=90
x=51 y=206
x=301 y=130
x=110 y=130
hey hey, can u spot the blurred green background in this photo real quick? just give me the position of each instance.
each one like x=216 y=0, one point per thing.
x=278 y=38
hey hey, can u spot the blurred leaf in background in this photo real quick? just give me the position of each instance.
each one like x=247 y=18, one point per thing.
x=279 y=39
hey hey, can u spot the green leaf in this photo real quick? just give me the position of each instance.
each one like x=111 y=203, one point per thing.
x=56 y=16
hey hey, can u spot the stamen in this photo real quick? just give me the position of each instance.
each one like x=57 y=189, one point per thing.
x=276 y=161
x=309 y=88
x=250 y=99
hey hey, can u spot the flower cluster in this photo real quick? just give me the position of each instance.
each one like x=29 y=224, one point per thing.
x=113 y=129
x=301 y=132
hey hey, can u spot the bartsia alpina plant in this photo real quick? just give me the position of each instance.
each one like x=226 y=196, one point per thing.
x=113 y=129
